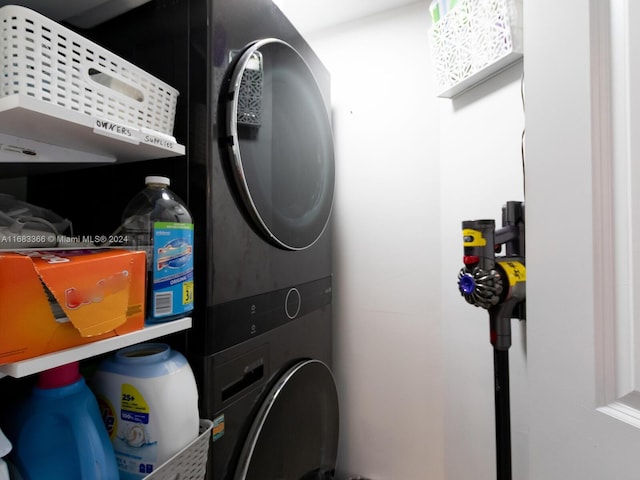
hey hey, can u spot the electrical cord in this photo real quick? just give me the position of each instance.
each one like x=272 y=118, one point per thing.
x=522 y=139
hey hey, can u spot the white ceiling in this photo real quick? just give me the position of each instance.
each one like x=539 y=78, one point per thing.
x=55 y=10
x=307 y=15
x=312 y=15
x=82 y=13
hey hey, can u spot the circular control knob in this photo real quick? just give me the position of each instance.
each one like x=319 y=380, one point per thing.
x=292 y=303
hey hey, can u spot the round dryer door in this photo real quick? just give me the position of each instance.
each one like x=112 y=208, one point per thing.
x=280 y=143
x=295 y=433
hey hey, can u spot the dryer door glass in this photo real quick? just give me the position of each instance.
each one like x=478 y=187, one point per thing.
x=280 y=143
x=295 y=433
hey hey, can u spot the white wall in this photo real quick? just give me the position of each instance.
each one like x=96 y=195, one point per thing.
x=412 y=359
x=388 y=348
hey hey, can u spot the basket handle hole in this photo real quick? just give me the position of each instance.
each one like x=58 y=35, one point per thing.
x=106 y=80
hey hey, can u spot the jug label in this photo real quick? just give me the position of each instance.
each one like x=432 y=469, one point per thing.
x=172 y=269
x=133 y=406
x=109 y=416
x=135 y=444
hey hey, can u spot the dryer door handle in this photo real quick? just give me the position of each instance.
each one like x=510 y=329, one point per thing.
x=252 y=373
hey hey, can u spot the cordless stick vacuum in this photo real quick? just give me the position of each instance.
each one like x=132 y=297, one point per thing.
x=497 y=283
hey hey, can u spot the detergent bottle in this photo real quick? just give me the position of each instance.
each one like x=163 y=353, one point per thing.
x=58 y=432
x=149 y=403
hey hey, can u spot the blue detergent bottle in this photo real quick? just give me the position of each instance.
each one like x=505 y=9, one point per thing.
x=58 y=432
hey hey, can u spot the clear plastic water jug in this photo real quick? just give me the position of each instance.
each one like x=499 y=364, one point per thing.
x=158 y=222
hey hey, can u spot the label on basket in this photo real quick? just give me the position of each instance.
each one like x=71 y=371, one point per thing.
x=118 y=131
x=158 y=140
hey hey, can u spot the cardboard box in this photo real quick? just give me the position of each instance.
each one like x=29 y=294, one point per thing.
x=56 y=299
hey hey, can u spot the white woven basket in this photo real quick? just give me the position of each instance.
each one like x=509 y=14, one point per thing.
x=190 y=463
x=473 y=41
x=44 y=60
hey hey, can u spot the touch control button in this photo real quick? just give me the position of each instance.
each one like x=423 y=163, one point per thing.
x=292 y=303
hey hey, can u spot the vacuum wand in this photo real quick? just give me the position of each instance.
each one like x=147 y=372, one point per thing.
x=497 y=283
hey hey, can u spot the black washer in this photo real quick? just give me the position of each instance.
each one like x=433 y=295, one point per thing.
x=295 y=433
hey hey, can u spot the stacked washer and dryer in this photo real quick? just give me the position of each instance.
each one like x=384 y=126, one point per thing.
x=268 y=179
x=258 y=177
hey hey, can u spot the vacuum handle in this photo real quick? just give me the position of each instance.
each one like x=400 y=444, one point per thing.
x=478 y=240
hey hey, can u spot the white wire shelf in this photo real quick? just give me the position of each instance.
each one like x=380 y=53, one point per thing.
x=33 y=131
x=44 y=362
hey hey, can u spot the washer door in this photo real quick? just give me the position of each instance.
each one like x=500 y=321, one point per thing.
x=281 y=145
x=295 y=433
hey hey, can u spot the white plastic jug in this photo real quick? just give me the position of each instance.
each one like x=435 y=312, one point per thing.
x=149 y=401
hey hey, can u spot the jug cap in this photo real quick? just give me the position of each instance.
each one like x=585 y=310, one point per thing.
x=157 y=179
x=59 y=376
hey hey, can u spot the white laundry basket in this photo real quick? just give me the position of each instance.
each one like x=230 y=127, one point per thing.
x=46 y=61
x=191 y=462
x=473 y=41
